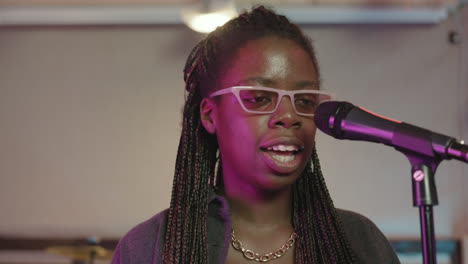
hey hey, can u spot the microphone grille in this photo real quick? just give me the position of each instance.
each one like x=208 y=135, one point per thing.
x=329 y=114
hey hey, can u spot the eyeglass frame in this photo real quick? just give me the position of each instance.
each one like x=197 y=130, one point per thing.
x=236 y=89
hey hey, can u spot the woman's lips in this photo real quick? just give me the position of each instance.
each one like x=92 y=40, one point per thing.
x=282 y=162
x=282 y=154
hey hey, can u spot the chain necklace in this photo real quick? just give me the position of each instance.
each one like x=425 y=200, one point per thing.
x=250 y=255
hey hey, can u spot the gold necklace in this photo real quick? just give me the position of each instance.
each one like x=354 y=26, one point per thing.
x=250 y=255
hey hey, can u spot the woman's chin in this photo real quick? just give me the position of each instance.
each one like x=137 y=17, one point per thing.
x=277 y=182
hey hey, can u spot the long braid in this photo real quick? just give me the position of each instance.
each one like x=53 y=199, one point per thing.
x=320 y=229
x=185 y=238
x=336 y=227
x=321 y=236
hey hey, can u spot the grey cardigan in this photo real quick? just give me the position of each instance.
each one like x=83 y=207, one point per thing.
x=144 y=243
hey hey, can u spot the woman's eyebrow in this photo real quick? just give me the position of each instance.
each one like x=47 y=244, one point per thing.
x=267 y=82
x=259 y=80
x=307 y=83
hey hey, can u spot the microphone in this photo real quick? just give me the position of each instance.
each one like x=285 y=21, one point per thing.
x=343 y=120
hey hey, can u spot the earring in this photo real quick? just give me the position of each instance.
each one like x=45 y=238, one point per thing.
x=215 y=176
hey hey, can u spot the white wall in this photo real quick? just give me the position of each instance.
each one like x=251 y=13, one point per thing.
x=90 y=120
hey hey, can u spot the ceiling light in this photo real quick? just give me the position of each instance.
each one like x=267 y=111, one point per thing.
x=207 y=15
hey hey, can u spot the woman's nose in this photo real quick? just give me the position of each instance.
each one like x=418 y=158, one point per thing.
x=285 y=115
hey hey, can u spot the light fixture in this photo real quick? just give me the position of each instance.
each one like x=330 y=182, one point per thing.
x=206 y=15
x=309 y=14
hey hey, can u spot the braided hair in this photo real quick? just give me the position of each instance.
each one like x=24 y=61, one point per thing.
x=321 y=237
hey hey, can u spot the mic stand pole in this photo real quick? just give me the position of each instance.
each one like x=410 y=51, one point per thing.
x=425 y=197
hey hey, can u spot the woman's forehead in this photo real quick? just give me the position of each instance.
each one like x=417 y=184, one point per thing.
x=269 y=59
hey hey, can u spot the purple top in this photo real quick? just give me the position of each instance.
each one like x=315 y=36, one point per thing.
x=144 y=243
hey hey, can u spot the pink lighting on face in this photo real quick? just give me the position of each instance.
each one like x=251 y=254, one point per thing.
x=264 y=153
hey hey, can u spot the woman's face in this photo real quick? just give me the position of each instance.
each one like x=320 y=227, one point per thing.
x=252 y=146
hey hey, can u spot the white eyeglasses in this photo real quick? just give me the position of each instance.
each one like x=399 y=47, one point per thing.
x=265 y=100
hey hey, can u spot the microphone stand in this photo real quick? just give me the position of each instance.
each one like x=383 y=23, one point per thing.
x=416 y=144
x=425 y=197
x=423 y=148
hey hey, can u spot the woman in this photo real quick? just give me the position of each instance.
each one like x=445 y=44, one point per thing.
x=247 y=184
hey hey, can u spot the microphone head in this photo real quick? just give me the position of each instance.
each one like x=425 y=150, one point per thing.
x=328 y=116
x=323 y=113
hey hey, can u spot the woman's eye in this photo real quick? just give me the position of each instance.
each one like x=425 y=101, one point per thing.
x=257 y=99
x=306 y=102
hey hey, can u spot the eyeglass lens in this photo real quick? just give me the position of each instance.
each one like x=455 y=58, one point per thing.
x=266 y=101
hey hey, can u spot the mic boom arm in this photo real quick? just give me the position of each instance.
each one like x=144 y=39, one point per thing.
x=343 y=120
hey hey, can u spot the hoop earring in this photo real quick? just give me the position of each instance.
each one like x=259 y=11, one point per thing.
x=214 y=179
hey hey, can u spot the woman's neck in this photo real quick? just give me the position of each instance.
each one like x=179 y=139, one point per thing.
x=258 y=208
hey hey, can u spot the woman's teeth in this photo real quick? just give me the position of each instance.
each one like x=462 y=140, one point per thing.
x=283 y=148
x=284 y=158
x=284 y=153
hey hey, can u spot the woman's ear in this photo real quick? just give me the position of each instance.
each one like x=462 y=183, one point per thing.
x=207 y=115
